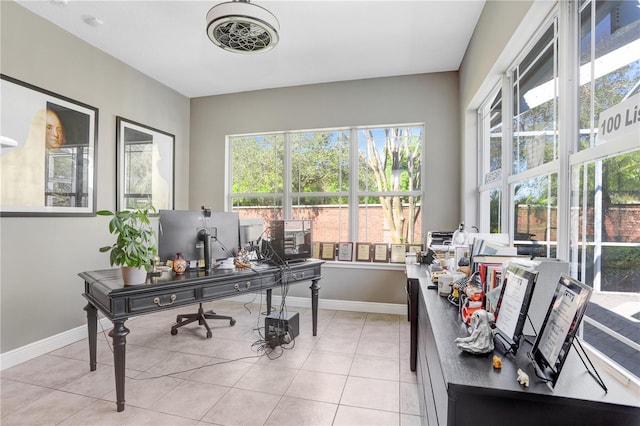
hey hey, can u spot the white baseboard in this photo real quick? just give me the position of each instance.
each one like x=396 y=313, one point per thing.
x=336 y=305
x=49 y=344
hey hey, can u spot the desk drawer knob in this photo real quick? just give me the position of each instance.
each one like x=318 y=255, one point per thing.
x=156 y=300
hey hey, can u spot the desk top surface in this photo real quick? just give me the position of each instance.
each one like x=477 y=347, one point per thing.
x=110 y=280
x=462 y=369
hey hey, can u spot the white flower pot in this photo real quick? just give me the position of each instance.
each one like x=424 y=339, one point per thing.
x=133 y=276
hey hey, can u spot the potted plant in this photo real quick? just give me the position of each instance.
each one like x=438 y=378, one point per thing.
x=135 y=246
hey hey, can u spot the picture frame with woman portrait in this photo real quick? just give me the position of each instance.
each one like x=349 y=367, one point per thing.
x=47 y=152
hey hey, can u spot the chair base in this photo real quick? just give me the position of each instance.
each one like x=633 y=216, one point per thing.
x=201 y=316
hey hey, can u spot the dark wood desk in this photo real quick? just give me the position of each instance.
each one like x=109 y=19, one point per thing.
x=105 y=291
x=458 y=388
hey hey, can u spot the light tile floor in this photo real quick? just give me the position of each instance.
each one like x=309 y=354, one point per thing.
x=354 y=372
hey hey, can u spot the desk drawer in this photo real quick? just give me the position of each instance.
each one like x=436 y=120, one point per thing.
x=235 y=287
x=164 y=299
x=299 y=275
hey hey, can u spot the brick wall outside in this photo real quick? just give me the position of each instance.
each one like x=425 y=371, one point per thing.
x=330 y=223
x=621 y=223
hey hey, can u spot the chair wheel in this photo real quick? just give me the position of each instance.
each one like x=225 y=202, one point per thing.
x=174 y=331
x=232 y=322
x=209 y=335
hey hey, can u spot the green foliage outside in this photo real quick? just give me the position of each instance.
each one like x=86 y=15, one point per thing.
x=388 y=161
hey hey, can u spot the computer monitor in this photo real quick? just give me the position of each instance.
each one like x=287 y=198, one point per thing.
x=178 y=233
x=251 y=230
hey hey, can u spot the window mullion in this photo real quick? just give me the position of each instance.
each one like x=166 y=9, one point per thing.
x=567 y=132
x=353 y=197
x=288 y=178
x=507 y=151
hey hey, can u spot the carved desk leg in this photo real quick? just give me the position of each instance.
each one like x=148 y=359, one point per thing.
x=119 y=335
x=314 y=305
x=92 y=325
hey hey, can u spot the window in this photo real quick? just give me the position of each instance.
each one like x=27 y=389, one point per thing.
x=605 y=180
x=355 y=184
x=536 y=215
x=535 y=105
x=572 y=185
x=535 y=144
x=490 y=120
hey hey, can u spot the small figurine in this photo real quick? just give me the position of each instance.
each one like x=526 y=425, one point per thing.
x=481 y=339
x=497 y=362
x=523 y=378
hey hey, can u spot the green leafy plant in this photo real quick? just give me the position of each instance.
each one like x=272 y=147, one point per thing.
x=135 y=245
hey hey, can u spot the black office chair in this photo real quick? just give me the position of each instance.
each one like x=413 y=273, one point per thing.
x=201 y=316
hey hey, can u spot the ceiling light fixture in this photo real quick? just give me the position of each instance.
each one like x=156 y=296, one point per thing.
x=92 y=20
x=241 y=27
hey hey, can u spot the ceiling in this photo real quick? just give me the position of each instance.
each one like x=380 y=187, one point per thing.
x=320 y=41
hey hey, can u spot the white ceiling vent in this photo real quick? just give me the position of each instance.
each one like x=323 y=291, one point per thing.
x=241 y=27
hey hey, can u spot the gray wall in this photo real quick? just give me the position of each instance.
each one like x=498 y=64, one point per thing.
x=427 y=98
x=40 y=257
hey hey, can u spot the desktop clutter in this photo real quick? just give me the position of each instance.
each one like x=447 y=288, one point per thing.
x=449 y=260
x=504 y=298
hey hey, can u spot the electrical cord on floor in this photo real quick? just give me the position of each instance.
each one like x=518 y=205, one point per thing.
x=261 y=346
x=182 y=371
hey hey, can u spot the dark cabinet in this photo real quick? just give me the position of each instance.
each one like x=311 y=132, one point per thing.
x=458 y=388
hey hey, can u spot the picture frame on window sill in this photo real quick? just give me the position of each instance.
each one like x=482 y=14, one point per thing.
x=328 y=251
x=345 y=252
x=363 y=252
x=315 y=250
x=48 y=152
x=414 y=248
x=381 y=252
x=398 y=253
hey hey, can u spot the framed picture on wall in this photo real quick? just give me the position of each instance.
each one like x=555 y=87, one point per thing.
x=145 y=163
x=315 y=250
x=47 y=152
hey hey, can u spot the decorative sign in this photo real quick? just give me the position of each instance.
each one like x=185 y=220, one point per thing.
x=559 y=328
x=513 y=304
x=621 y=123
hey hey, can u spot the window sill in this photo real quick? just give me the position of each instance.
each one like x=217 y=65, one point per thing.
x=364 y=265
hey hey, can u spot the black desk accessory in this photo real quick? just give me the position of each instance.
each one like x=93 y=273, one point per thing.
x=513 y=305
x=558 y=332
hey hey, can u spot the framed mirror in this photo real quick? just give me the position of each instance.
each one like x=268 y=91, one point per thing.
x=47 y=152
x=145 y=166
